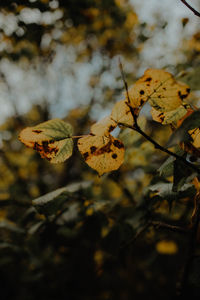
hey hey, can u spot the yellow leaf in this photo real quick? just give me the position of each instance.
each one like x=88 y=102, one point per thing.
x=167 y=247
x=104 y=154
x=170 y=116
x=103 y=127
x=52 y=139
x=160 y=88
x=121 y=113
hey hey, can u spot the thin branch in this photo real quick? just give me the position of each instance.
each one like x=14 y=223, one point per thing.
x=155 y=224
x=158 y=146
x=173 y=228
x=191 y=8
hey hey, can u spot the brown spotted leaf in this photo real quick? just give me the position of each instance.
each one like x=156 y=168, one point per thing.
x=103 y=127
x=52 y=139
x=160 y=88
x=121 y=113
x=102 y=153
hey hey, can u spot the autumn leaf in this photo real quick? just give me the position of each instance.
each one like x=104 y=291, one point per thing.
x=52 y=139
x=102 y=153
x=121 y=113
x=160 y=88
x=103 y=127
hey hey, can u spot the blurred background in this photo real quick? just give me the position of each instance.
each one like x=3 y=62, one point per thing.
x=65 y=54
x=59 y=59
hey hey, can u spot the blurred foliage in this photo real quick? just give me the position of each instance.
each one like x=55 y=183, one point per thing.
x=80 y=239
x=92 y=237
x=90 y=25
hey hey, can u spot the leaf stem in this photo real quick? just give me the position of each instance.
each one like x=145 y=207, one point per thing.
x=79 y=136
x=173 y=228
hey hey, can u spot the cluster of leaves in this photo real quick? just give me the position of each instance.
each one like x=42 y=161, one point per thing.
x=104 y=153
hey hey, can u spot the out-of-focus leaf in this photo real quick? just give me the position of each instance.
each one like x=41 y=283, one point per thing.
x=165 y=191
x=33 y=229
x=9 y=246
x=181 y=173
x=5 y=224
x=167 y=168
x=50 y=203
x=192 y=78
x=70 y=215
x=181 y=134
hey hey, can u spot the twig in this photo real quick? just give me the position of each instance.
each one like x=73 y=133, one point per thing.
x=182 y=284
x=173 y=228
x=191 y=8
x=155 y=224
x=158 y=146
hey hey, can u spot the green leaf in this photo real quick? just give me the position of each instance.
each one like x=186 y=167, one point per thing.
x=181 y=134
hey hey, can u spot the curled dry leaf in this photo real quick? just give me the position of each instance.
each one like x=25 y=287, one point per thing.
x=102 y=153
x=160 y=88
x=103 y=127
x=121 y=113
x=52 y=139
